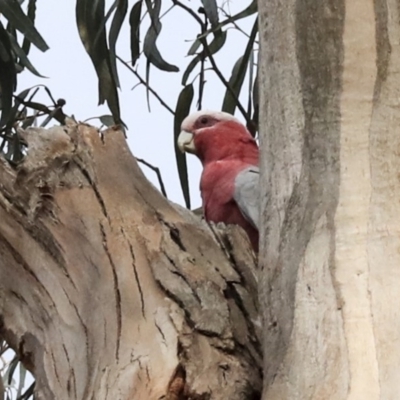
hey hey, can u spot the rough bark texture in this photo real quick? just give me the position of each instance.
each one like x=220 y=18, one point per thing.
x=108 y=291
x=329 y=258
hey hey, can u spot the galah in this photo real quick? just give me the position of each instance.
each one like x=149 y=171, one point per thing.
x=229 y=181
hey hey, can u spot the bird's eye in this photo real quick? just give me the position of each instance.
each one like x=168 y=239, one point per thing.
x=204 y=120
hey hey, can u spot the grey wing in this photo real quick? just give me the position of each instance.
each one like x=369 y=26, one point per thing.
x=247 y=194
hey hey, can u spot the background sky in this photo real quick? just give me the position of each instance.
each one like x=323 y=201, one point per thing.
x=71 y=76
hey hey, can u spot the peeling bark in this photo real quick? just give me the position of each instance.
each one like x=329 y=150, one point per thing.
x=109 y=291
x=330 y=186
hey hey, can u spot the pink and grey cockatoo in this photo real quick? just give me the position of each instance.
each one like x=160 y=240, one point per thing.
x=229 y=182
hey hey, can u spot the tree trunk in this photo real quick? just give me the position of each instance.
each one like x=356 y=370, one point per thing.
x=108 y=291
x=329 y=258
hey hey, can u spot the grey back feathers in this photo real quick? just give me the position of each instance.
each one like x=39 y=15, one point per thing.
x=247 y=194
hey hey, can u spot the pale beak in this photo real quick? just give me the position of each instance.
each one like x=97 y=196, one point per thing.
x=186 y=142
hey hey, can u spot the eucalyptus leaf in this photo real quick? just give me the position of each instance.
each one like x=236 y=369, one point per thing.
x=194 y=47
x=256 y=103
x=134 y=22
x=11 y=369
x=26 y=44
x=216 y=44
x=22 y=377
x=107 y=120
x=249 y=10
x=12 y=11
x=181 y=112
x=28 y=121
x=28 y=394
x=90 y=16
x=14 y=111
x=211 y=9
x=150 y=49
x=239 y=73
x=8 y=75
x=23 y=59
x=250 y=84
x=119 y=17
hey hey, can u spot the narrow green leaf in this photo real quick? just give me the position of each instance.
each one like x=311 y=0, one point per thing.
x=18 y=99
x=255 y=94
x=37 y=106
x=49 y=94
x=22 y=377
x=239 y=73
x=119 y=17
x=211 y=9
x=52 y=114
x=182 y=111
x=134 y=22
x=11 y=369
x=28 y=121
x=194 y=47
x=256 y=102
x=235 y=82
x=12 y=33
x=108 y=15
x=8 y=76
x=57 y=113
x=149 y=46
x=10 y=29
x=196 y=44
x=249 y=10
x=90 y=17
x=26 y=44
x=216 y=45
x=12 y=11
x=250 y=84
x=189 y=69
x=148 y=83
x=103 y=25
x=29 y=393
x=107 y=120
x=153 y=54
x=21 y=96
x=23 y=59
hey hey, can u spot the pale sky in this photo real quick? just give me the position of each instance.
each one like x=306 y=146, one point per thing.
x=150 y=136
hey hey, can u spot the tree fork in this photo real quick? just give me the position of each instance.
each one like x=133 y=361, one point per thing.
x=109 y=291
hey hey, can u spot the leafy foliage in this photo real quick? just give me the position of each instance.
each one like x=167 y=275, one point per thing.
x=182 y=110
x=24 y=113
x=13 y=56
x=99 y=30
x=92 y=18
x=13 y=376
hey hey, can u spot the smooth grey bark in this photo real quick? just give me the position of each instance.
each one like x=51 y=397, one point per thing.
x=329 y=256
x=109 y=291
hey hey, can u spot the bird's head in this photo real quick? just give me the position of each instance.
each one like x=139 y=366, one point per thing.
x=212 y=134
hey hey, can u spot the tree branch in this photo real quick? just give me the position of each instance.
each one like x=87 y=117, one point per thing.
x=120 y=298
x=207 y=51
x=158 y=173
x=224 y=81
x=143 y=82
x=189 y=10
